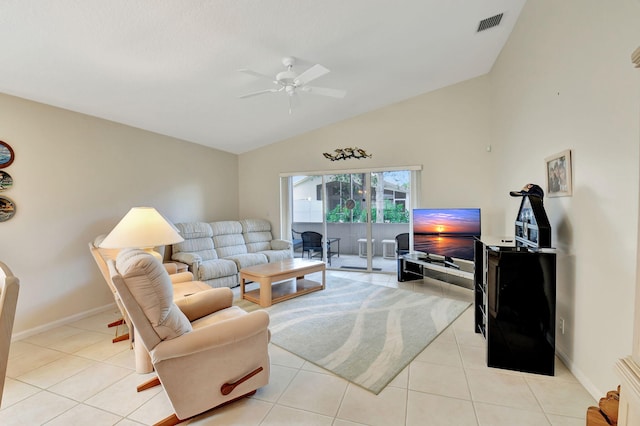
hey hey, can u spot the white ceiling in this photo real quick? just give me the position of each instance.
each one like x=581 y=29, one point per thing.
x=170 y=66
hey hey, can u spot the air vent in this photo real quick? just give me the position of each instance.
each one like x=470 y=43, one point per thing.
x=494 y=21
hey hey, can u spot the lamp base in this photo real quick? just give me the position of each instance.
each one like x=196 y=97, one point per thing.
x=155 y=254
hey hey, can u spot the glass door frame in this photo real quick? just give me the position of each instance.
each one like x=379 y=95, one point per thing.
x=286 y=200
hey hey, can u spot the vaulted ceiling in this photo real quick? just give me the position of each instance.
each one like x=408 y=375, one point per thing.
x=171 y=66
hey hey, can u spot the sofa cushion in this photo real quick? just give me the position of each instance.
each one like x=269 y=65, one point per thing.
x=197 y=240
x=217 y=268
x=229 y=245
x=227 y=238
x=190 y=230
x=248 y=259
x=151 y=287
x=277 y=255
x=257 y=241
x=257 y=235
x=225 y=227
x=255 y=225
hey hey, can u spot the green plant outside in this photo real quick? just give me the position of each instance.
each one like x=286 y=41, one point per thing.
x=392 y=214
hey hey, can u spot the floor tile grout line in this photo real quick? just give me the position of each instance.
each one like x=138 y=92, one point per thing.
x=466 y=376
x=344 y=393
x=537 y=399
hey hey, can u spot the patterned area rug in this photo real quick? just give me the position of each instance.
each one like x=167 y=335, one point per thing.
x=364 y=333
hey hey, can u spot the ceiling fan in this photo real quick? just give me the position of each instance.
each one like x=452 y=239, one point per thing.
x=291 y=83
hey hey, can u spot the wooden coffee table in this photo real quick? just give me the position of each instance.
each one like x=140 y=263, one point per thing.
x=281 y=280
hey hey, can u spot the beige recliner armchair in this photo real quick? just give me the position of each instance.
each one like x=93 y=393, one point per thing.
x=205 y=351
x=182 y=284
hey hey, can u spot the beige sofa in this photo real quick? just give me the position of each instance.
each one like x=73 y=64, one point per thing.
x=216 y=251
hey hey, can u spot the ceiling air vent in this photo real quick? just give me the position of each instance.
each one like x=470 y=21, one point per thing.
x=494 y=21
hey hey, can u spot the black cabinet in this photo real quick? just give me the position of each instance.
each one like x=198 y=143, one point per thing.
x=515 y=306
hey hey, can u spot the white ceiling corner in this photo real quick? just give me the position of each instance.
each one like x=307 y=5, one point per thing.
x=171 y=66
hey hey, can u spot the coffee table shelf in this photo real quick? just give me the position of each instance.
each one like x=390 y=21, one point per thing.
x=281 y=280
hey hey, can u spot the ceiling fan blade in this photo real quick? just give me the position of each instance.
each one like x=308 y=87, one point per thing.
x=325 y=91
x=311 y=74
x=261 y=92
x=255 y=73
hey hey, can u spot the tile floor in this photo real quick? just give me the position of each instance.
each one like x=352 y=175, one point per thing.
x=74 y=375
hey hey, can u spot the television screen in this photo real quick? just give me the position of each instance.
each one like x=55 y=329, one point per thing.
x=446 y=232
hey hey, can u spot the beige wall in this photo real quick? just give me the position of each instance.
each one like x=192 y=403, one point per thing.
x=564 y=81
x=446 y=132
x=74 y=178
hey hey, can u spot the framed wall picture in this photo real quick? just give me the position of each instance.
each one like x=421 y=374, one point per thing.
x=7 y=208
x=559 y=174
x=6 y=155
x=6 y=181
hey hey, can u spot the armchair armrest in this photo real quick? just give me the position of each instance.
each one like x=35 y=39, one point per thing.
x=171 y=268
x=212 y=336
x=281 y=244
x=202 y=303
x=181 y=277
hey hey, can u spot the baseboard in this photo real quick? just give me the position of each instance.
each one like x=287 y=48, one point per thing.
x=580 y=376
x=64 y=321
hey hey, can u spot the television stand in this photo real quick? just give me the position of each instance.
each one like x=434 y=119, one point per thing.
x=416 y=266
x=449 y=262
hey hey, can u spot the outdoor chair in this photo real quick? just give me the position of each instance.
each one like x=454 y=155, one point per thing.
x=402 y=244
x=312 y=245
x=296 y=239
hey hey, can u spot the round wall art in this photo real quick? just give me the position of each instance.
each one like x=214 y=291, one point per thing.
x=7 y=208
x=6 y=155
x=6 y=181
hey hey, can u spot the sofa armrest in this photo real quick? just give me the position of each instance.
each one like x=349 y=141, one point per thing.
x=202 y=303
x=213 y=336
x=175 y=267
x=181 y=277
x=281 y=245
x=193 y=260
x=190 y=259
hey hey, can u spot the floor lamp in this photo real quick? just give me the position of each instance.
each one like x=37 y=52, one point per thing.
x=144 y=228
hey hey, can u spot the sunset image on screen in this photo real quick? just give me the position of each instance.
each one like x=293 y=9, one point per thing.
x=447 y=221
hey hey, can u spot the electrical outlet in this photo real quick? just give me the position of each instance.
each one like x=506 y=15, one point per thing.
x=561 y=325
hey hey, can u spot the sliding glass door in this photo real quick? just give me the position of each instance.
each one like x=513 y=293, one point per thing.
x=347 y=217
x=356 y=214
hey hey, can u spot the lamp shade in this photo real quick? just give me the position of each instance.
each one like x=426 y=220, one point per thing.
x=142 y=227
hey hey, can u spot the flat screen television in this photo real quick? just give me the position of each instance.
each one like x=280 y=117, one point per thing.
x=446 y=232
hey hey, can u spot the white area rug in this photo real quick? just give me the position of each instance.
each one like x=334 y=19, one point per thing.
x=364 y=333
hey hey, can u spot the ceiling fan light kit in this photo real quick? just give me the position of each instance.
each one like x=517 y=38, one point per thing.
x=291 y=83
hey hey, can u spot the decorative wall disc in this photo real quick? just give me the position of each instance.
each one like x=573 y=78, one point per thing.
x=7 y=208
x=6 y=181
x=6 y=155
